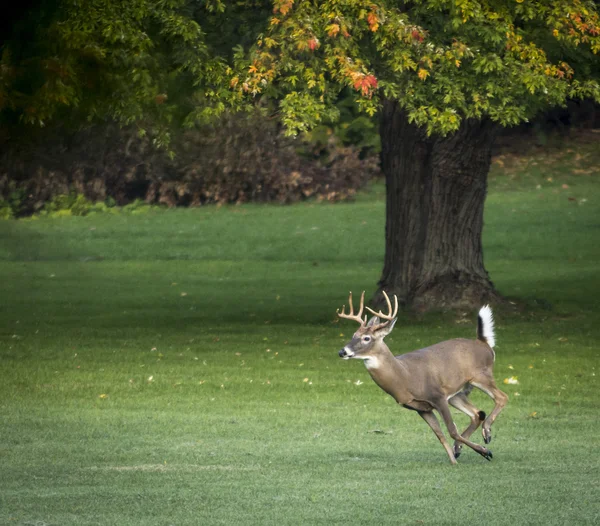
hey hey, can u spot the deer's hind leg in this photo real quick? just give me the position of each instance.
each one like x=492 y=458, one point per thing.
x=488 y=386
x=462 y=403
x=442 y=407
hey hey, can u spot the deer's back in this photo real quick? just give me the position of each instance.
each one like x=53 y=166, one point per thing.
x=449 y=365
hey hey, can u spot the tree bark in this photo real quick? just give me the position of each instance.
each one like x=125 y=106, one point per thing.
x=436 y=188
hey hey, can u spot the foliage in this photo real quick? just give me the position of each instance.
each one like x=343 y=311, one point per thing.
x=443 y=61
x=6 y=211
x=70 y=204
x=243 y=158
x=351 y=128
x=200 y=326
x=116 y=60
x=158 y=63
x=74 y=204
x=246 y=158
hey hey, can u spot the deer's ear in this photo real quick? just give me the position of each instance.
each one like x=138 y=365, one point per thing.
x=373 y=321
x=384 y=331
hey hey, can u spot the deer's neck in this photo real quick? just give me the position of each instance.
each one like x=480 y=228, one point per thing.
x=388 y=373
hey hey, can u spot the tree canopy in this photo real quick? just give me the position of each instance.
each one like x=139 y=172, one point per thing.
x=161 y=61
x=443 y=61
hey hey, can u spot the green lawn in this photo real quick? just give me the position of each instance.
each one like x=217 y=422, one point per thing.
x=180 y=367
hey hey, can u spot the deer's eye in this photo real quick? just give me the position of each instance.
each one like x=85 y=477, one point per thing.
x=366 y=339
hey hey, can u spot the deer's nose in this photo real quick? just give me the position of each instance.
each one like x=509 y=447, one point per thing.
x=346 y=353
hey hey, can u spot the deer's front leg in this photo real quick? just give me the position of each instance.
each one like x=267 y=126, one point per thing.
x=430 y=418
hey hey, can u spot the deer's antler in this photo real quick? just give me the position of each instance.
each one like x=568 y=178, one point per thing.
x=351 y=315
x=390 y=315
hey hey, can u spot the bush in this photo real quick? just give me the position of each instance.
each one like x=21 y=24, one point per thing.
x=6 y=211
x=244 y=158
x=70 y=204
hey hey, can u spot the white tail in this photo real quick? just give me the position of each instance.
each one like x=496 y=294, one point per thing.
x=485 y=326
x=432 y=378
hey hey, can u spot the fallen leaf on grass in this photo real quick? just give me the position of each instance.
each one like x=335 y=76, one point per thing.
x=103 y=396
x=511 y=381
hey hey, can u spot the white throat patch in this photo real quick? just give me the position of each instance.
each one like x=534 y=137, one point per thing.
x=371 y=362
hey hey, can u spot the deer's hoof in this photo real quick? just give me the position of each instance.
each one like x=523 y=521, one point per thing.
x=488 y=455
x=457 y=451
x=487 y=437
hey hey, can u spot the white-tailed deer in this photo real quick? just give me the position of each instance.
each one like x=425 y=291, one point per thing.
x=432 y=378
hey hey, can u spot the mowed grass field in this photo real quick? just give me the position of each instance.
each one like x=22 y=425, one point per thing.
x=180 y=367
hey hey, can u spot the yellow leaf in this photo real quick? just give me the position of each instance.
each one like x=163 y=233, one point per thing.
x=423 y=74
x=103 y=396
x=511 y=381
x=333 y=30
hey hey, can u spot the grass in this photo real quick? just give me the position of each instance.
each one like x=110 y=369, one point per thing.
x=181 y=367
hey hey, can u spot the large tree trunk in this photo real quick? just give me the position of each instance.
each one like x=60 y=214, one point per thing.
x=436 y=188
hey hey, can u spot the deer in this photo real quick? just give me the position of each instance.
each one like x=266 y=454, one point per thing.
x=433 y=378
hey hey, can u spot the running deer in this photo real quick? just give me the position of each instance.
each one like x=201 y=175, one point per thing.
x=434 y=377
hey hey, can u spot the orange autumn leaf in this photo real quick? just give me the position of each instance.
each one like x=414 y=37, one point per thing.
x=373 y=21
x=283 y=6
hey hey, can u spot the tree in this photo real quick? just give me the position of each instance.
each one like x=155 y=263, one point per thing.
x=441 y=74
x=444 y=75
x=142 y=62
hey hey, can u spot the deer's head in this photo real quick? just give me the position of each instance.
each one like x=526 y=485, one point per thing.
x=367 y=339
